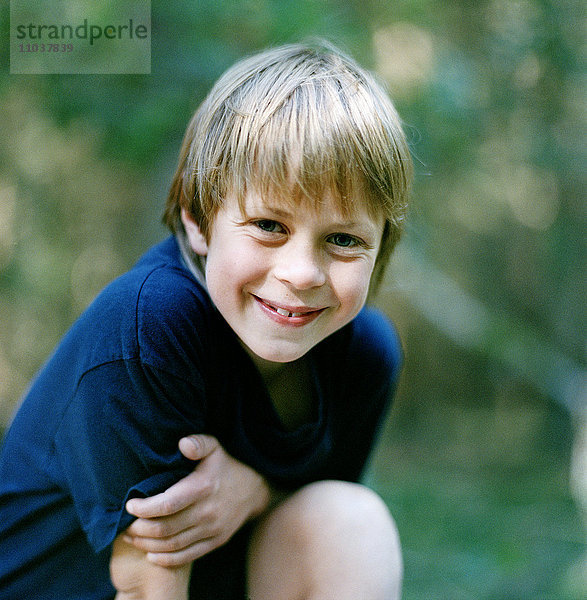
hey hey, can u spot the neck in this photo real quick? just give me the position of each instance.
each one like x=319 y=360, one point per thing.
x=288 y=385
x=269 y=369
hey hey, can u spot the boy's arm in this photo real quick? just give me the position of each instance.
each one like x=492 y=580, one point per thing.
x=203 y=510
x=135 y=578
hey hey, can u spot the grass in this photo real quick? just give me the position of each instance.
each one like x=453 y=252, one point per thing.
x=483 y=503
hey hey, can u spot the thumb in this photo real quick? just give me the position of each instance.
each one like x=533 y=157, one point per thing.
x=198 y=446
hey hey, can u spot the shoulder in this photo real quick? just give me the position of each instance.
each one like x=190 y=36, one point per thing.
x=122 y=293
x=157 y=303
x=373 y=339
x=160 y=267
x=174 y=317
x=169 y=292
x=364 y=357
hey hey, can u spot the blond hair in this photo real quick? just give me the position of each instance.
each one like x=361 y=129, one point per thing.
x=295 y=122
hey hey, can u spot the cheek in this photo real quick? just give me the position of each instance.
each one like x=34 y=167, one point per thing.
x=230 y=267
x=350 y=283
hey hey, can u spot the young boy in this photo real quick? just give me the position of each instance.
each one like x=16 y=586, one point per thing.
x=247 y=325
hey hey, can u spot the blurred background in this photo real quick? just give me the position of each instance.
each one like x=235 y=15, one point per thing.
x=482 y=460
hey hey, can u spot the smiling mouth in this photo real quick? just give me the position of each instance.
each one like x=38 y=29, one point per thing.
x=284 y=312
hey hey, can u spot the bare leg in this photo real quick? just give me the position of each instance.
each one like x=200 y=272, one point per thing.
x=329 y=541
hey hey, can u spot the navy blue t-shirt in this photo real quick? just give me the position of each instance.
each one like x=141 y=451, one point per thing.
x=152 y=360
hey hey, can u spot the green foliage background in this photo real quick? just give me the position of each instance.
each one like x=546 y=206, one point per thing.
x=487 y=287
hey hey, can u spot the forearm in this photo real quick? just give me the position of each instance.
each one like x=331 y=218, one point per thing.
x=135 y=578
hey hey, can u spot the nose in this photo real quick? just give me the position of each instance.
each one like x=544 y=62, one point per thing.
x=300 y=265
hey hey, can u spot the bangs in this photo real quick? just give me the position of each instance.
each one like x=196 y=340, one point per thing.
x=314 y=129
x=301 y=152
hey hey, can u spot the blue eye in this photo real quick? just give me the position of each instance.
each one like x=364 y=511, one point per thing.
x=343 y=240
x=269 y=226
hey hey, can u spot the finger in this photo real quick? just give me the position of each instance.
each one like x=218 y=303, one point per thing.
x=161 y=505
x=172 y=525
x=198 y=446
x=179 y=496
x=186 y=556
x=151 y=528
x=174 y=543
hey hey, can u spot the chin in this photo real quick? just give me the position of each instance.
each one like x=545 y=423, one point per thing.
x=276 y=355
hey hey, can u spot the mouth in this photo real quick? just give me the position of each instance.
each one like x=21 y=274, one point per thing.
x=297 y=314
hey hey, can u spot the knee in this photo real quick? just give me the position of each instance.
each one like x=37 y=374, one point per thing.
x=341 y=510
x=330 y=535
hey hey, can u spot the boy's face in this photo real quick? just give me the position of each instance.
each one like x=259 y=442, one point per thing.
x=286 y=279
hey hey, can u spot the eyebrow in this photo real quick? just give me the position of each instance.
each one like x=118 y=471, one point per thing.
x=275 y=210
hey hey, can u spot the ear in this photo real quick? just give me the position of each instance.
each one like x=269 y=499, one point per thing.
x=196 y=238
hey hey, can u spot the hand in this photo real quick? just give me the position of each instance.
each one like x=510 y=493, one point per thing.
x=201 y=511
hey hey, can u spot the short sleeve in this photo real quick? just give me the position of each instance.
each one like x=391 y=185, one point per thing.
x=119 y=439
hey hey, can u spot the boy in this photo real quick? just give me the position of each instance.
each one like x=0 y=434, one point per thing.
x=248 y=325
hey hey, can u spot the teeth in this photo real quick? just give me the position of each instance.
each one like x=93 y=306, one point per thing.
x=286 y=313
